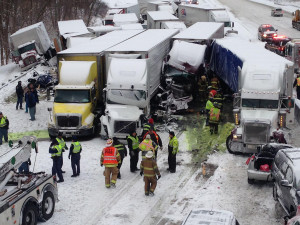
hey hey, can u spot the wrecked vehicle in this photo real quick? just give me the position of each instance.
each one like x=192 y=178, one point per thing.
x=260 y=164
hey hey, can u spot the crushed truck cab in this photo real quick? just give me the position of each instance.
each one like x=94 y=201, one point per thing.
x=75 y=99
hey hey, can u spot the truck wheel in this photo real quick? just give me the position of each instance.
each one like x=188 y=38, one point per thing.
x=250 y=181
x=228 y=144
x=30 y=214
x=48 y=205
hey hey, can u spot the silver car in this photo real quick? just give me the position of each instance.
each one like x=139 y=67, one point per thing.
x=260 y=164
x=277 y=12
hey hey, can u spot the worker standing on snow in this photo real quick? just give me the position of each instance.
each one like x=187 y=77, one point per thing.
x=214 y=82
x=297 y=85
x=208 y=106
x=133 y=145
x=4 y=126
x=155 y=139
x=148 y=126
x=173 y=150
x=202 y=88
x=214 y=118
x=150 y=170
x=20 y=95
x=74 y=155
x=147 y=145
x=64 y=147
x=122 y=151
x=56 y=151
x=110 y=158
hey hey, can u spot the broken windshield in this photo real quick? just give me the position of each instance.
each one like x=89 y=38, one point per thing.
x=72 y=96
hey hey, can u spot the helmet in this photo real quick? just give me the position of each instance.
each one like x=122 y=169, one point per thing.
x=148 y=136
x=151 y=121
x=149 y=154
x=109 y=142
x=203 y=78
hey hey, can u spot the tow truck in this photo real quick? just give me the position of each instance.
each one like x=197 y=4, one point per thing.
x=277 y=44
x=25 y=198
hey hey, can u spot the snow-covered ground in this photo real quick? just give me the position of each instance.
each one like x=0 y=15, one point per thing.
x=85 y=200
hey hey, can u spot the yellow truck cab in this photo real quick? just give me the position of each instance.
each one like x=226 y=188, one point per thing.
x=75 y=99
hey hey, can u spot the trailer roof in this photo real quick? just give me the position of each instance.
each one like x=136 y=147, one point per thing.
x=144 y=41
x=162 y=15
x=203 y=5
x=119 y=5
x=252 y=52
x=33 y=26
x=72 y=28
x=175 y=25
x=127 y=17
x=199 y=31
x=98 y=45
x=132 y=26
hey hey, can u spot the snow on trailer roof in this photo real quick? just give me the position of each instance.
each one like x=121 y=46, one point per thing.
x=161 y=15
x=199 y=31
x=132 y=26
x=251 y=52
x=127 y=17
x=144 y=41
x=98 y=45
x=206 y=5
x=175 y=25
x=72 y=27
x=33 y=26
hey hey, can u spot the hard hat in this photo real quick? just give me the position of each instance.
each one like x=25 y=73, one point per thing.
x=151 y=121
x=203 y=78
x=149 y=154
x=148 y=136
x=109 y=142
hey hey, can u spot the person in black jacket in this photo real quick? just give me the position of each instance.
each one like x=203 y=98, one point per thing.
x=74 y=155
x=32 y=100
x=20 y=95
x=4 y=126
x=122 y=151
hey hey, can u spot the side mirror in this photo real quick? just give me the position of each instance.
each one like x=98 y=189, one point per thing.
x=10 y=143
x=285 y=183
x=49 y=109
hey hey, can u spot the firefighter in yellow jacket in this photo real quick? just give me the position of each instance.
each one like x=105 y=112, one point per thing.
x=214 y=118
x=147 y=145
x=150 y=170
x=110 y=158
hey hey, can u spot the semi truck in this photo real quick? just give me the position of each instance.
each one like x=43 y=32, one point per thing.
x=121 y=9
x=30 y=45
x=156 y=18
x=292 y=49
x=192 y=13
x=25 y=198
x=168 y=6
x=296 y=20
x=262 y=83
x=133 y=78
x=78 y=101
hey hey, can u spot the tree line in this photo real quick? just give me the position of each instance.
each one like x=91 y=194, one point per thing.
x=16 y=14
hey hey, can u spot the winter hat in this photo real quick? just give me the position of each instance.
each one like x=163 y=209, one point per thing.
x=109 y=142
x=115 y=139
x=172 y=133
x=148 y=136
x=74 y=138
x=149 y=154
x=1 y=113
x=151 y=121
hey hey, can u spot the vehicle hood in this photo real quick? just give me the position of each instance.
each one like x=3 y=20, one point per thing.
x=269 y=32
x=67 y=108
x=123 y=112
x=261 y=115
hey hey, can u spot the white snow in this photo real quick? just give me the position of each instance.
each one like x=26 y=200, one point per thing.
x=75 y=41
x=161 y=15
x=120 y=19
x=120 y=3
x=166 y=8
x=133 y=26
x=102 y=43
x=70 y=28
x=201 y=31
x=174 y=25
x=144 y=41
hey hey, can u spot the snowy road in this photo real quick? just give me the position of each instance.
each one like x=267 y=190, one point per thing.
x=252 y=15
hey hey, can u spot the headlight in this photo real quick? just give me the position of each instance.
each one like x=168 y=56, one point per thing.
x=237 y=136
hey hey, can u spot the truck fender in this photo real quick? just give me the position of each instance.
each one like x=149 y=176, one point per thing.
x=49 y=187
x=29 y=199
x=104 y=126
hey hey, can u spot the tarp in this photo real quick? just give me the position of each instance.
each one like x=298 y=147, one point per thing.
x=225 y=65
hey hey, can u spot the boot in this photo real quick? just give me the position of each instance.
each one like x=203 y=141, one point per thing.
x=151 y=193
x=119 y=175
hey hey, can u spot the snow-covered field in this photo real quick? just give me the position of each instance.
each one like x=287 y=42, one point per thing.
x=85 y=200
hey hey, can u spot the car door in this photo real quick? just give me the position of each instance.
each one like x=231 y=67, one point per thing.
x=292 y=191
x=281 y=175
x=287 y=196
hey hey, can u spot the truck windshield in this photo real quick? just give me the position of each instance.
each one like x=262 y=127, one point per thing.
x=72 y=96
x=268 y=29
x=136 y=95
x=27 y=48
x=259 y=103
x=227 y=24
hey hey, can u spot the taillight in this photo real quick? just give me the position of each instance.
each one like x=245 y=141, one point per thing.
x=274 y=35
x=236 y=118
x=250 y=158
x=282 y=119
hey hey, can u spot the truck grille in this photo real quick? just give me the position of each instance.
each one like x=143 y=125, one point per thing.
x=124 y=126
x=68 y=121
x=29 y=60
x=256 y=133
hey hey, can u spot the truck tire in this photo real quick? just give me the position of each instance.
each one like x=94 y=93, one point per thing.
x=275 y=195
x=30 y=214
x=48 y=205
x=228 y=144
x=250 y=181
